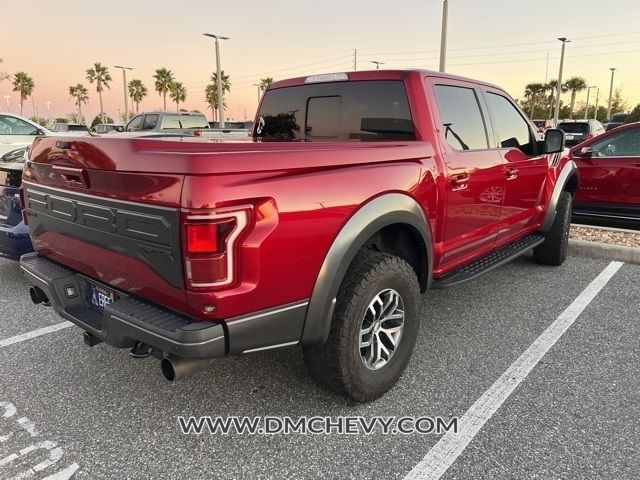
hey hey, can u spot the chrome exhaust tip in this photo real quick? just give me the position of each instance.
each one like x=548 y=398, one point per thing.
x=174 y=368
x=37 y=295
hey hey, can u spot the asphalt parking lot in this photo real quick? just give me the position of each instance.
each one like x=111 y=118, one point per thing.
x=97 y=413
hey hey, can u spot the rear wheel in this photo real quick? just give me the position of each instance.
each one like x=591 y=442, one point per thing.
x=373 y=331
x=554 y=249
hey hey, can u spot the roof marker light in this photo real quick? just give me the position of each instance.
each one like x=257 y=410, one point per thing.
x=327 y=77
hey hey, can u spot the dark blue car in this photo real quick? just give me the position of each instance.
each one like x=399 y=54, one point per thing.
x=14 y=234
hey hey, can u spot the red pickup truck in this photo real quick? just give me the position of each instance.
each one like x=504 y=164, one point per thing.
x=358 y=192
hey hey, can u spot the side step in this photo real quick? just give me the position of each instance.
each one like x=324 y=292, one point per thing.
x=488 y=262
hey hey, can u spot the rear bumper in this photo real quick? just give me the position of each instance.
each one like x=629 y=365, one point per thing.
x=14 y=241
x=129 y=319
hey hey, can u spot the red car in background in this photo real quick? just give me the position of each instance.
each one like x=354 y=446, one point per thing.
x=609 y=170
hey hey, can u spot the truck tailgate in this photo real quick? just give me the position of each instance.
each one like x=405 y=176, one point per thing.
x=121 y=228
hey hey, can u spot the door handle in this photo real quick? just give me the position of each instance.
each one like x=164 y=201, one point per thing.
x=460 y=181
x=511 y=172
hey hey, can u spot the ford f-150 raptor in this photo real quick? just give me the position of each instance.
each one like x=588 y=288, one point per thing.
x=358 y=192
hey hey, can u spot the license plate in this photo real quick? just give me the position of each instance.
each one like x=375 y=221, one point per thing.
x=100 y=297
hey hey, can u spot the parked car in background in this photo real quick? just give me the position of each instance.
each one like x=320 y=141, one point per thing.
x=357 y=192
x=14 y=234
x=71 y=129
x=18 y=132
x=578 y=131
x=182 y=124
x=609 y=170
x=615 y=121
x=543 y=125
x=102 y=128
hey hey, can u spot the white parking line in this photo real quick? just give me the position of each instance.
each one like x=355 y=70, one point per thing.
x=451 y=445
x=35 y=333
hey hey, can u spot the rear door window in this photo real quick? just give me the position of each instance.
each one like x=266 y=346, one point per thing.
x=574 y=127
x=461 y=118
x=338 y=111
x=135 y=124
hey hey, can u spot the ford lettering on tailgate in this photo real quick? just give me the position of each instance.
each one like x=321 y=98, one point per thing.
x=147 y=233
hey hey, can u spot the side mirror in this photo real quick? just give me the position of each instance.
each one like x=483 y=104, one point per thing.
x=553 y=141
x=39 y=132
x=585 y=152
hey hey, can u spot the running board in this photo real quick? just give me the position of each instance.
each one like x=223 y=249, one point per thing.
x=488 y=262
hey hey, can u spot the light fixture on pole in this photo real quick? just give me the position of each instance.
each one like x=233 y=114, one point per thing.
x=218 y=77
x=613 y=69
x=126 y=96
x=377 y=64
x=443 y=35
x=556 y=112
x=586 y=109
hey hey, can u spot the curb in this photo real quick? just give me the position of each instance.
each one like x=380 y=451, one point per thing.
x=604 y=250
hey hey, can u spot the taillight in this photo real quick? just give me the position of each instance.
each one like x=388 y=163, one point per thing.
x=589 y=136
x=211 y=246
x=23 y=207
x=197 y=133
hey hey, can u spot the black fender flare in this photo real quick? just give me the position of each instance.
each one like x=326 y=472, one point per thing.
x=388 y=209
x=569 y=169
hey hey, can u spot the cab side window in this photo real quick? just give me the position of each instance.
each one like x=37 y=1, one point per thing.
x=150 y=122
x=512 y=129
x=15 y=126
x=461 y=118
x=623 y=144
x=135 y=124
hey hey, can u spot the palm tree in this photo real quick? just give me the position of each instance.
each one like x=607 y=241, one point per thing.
x=265 y=83
x=574 y=85
x=211 y=97
x=226 y=87
x=551 y=86
x=99 y=75
x=164 y=78
x=531 y=91
x=178 y=93
x=137 y=91
x=23 y=84
x=80 y=95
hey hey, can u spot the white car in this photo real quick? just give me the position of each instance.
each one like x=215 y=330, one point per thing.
x=71 y=130
x=18 y=132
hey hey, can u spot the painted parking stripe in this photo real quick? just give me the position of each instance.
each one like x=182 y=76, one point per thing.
x=35 y=333
x=451 y=445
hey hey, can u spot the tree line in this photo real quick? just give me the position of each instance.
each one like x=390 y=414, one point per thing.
x=165 y=84
x=539 y=100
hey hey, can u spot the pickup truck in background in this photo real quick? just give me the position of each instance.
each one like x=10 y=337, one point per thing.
x=359 y=192
x=179 y=124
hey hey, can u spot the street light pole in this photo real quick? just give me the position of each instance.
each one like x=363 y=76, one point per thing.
x=613 y=69
x=595 y=113
x=218 y=76
x=377 y=64
x=443 y=35
x=556 y=112
x=126 y=96
x=6 y=99
x=586 y=109
x=258 y=85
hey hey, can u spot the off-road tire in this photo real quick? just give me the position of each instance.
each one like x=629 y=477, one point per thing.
x=554 y=249
x=337 y=364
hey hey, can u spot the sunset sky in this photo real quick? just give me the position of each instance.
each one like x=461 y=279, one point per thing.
x=501 y=41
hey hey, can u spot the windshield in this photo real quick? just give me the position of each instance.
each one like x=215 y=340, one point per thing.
x=571 y=127
x=185 y=121
x=619 y=118
x=78 y=128
x=338 y=111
